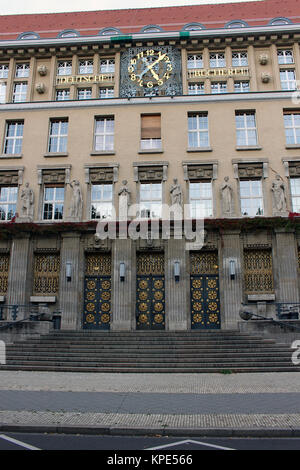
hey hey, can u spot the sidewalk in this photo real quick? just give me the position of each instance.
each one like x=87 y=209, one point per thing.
x=262 y=404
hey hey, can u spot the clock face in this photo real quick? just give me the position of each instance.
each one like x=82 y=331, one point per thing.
x=150 y=71
x=150 y=68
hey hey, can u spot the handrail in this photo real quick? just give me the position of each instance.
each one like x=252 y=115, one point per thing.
x=34 y=315
x=247 y=315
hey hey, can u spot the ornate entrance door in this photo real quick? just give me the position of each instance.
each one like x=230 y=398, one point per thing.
x=97 y=292
x=150 y=303
x=205 y=296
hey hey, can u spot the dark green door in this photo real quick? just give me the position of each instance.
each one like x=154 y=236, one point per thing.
x=150 y=302
x=97 y=292
x=204 y=290
x=205 y=301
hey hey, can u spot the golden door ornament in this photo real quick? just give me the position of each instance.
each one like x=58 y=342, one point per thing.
x=4 y=268
x=204 y=263
x=46 y=273
x=98 y=264
x=258 y=271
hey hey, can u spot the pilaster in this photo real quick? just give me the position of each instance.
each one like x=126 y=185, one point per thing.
x=122 y=291
x=176 y=291
x=231 y=289
x=70 y=289
x=286 y=267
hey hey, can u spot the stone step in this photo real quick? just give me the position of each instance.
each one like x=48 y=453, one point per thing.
x=192 y=370
x=149 y=354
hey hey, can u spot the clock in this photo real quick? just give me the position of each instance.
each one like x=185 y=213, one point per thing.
x=150 y=71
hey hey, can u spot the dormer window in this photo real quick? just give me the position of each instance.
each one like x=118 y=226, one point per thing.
x=109 y=32
x=70 y=33
x=279 y=21
x=236 y=24
x=193 y=27
x=151 y=29
x=29 y=35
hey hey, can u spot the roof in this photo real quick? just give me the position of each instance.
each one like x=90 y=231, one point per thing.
x=129 y=21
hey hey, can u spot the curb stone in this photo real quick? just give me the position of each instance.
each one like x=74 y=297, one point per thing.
x=176 y=432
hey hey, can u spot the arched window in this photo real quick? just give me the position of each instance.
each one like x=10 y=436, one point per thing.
x=29 y=35
x=193 y=27
x=68 y=33
x=151 y=28
x=109 y=31
x=279 y=20
x=236 y=24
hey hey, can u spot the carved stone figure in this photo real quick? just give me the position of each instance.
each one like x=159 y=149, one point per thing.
x=227 y=198
x=75 y=210
x=27 y=201
x=124 y=200
x=279 y=199
x=176 y=193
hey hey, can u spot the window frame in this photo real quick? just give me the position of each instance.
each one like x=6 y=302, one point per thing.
x=207 y=212
x=252 y=197
x=54 y=201
x=151 y=200
x=60 y=137
x=246 y=129
x=102 y=200
x=199 y=130
x=105 y=134
x=7 y=203
x=14 y=138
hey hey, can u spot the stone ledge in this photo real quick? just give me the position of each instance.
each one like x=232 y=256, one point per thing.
x=261 y=297
x=51 y=299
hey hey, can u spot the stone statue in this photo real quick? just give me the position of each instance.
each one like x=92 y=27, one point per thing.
x=75 y=210
x=176 y=193
x=27 y=201
x=124 y=192
x=227 y=198
x=279 y=200
x=124 y=201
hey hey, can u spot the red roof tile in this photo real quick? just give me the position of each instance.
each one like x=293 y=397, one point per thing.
x=133 y=20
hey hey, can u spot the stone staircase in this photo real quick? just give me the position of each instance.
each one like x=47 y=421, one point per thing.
x=193 y=352
x=90 y=351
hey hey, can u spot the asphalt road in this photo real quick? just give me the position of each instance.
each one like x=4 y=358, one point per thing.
x=28 y=441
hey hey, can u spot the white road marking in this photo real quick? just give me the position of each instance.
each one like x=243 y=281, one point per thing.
x=189 y=441
x=18 y=443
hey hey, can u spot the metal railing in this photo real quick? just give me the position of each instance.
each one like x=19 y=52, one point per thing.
x=288 y=310
x=248 y=315
x=13 y=315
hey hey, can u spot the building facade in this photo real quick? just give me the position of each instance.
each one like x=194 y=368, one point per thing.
x=122 y=123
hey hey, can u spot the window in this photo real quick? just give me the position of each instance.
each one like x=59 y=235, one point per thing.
x=107 y=66
x=2 y=92
x=62 y=95
x=150 y=132
x=196 y=88
x=236 y=24
x=106 y=92
x=4 y=70
x=58 y=136
x=84 y=93
x=193 y=27
x=242 y=87
x=104 y=134
x=288 y=79
x=217 y=59
x=8 y=202
x=20 y=92
x=239 y=59
x=279 y=21
x=13 y=137
x=285 y=56
x=109 y=31
x=22 y=70
x=86 y=66
x=150 y=200
x=218 y=87
x=251 y=197
x=53 y=206
x=201 y=199
x=151 y=29
x=64 y=67
x=29 y=35
x=195 y=61
x=101 y=201
x=246 y=128
x=292 y=127
x=68 y=34
x=198 y=130
x=295 y=193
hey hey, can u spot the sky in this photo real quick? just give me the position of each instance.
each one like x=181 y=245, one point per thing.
x=51 y=6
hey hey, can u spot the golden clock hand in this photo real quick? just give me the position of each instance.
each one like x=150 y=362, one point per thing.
x=156 y=62
x=154 y=74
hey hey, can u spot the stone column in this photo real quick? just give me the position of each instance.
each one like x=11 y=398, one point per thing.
x=20 y=271
x=176 y=292
x=231 y=290
x=122 y=291
x=71 y=291
x=286 y=267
